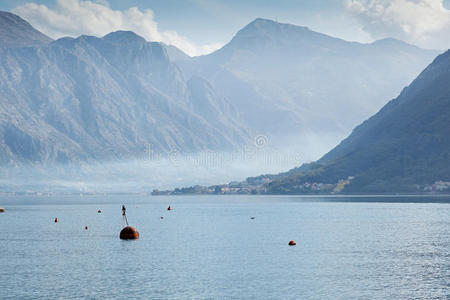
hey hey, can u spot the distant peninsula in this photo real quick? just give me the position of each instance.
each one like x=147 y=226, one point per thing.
x=261 y=186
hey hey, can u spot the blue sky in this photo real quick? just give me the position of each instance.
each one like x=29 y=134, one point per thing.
x=200 y=26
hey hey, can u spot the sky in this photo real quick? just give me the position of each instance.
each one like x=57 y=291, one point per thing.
x=202 y=26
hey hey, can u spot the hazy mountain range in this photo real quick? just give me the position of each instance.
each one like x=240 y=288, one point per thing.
x=289 y=81
x=109 y=98
x=104 y=98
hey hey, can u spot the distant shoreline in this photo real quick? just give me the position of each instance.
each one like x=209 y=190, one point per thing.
x=88 y=194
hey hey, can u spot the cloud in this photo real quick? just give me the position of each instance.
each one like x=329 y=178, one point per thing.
x=422 y=22
x=77 y=17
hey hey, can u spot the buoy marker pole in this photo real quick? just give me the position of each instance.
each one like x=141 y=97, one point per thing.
x=124 y=215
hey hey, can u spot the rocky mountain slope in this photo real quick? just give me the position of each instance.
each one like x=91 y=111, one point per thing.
x=16 y=32
x=106 y=98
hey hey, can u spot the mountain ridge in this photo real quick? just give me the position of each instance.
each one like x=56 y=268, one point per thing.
x=290 y=82
x=111 y=96
x=89 y=98
x=16 y=32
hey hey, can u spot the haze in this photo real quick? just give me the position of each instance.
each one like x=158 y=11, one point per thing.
x=113 y=96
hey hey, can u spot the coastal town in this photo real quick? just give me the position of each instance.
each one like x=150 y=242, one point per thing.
x=255 y=186
x=260 y=186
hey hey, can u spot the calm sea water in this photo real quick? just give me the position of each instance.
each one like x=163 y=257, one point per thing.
x=209 y=248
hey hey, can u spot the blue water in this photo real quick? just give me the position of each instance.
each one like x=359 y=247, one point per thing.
x=209 y=248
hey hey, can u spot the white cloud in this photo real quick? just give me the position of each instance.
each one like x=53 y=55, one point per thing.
x=423 y=22
x=77 y=17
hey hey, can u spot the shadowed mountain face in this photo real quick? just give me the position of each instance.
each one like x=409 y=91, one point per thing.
x=405 y=145
x=16 y=32
x=290 y=81
x=106 y=98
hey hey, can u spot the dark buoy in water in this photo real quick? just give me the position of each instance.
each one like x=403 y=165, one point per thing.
x=169 y=208
x=99 y=211
x=252 y=218
x=162 y=218
x=292 y=243
x=2 y=209
x=56 y=220
x=85 y=227
x=128 y=232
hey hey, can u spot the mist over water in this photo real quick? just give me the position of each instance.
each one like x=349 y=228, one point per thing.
x=151 y=170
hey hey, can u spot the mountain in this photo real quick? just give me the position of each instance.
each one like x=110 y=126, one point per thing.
x=289 y=81
x=109 y=98
x=16 y=32
x=402 y=148
x=119 y=96
x=175 y=54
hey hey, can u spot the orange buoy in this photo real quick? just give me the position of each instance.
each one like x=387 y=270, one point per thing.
x=292 y=243
x=169 y=208
x=56 y=220
x=129 y=233
x=2 y=209
x=85 y=227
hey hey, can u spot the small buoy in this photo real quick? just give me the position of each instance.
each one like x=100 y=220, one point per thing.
x=162 y=218
x=2 y=209
x=99 y=211
x=85 y=227
x=169 y=208
x=252 y=218
x=292 y=243
x=56 y=220
x=129 y=233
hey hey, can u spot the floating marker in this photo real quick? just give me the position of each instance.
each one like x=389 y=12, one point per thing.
x=169 y=208
x=292 y=243
x=99 y=211
x=2 y=210
x=128 y=232
x=252 y=218
x=85 y=227
x=56 y=220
